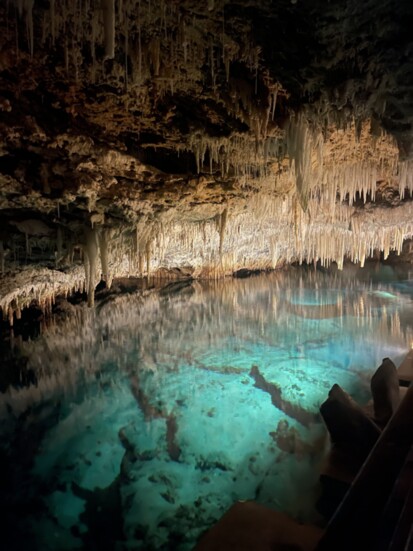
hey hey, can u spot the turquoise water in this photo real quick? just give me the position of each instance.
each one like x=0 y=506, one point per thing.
x=150 y=417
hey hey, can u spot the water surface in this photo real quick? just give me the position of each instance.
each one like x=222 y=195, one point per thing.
x=153 y=414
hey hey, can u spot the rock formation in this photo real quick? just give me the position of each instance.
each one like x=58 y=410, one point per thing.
x=144 y=136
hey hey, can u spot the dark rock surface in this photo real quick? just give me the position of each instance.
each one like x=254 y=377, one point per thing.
x=385 y=391
x=348 y=425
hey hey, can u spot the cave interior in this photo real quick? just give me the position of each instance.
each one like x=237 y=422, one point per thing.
x=164 y=140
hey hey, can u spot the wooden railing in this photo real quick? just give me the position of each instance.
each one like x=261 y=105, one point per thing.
x=376 y=513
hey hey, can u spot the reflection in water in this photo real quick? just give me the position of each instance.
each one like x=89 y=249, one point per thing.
x=153 y=414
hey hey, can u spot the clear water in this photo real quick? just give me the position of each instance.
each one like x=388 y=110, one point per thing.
x=148 y=419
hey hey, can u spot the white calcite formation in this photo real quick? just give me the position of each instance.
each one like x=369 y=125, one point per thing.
x=156 y=138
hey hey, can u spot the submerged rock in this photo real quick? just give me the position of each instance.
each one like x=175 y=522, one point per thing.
x=292 y=410
x=150 y=412
x=288 y=440
x=174 y=450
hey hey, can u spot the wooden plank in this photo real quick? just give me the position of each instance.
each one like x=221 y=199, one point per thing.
x=405 y=371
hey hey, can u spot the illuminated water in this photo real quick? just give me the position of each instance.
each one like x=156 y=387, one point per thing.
x=147 y=421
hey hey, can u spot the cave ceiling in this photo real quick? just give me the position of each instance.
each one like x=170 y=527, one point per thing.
x=147 y=135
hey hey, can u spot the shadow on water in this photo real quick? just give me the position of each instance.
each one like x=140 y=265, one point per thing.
x=102 y=517
x=20 y=492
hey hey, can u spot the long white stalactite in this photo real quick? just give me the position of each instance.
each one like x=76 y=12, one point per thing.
x=265 y=236
x=305 y=192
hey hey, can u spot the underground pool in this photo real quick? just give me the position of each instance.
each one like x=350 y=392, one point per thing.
x=146 y=418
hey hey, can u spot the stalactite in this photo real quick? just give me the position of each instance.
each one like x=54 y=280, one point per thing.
x=28 y=6
x=148 y=257
x=126 y=47
x=103 y=238
x=405 y=177
x=91 y=254
x=10 y=316
x=66 y=53
x=59 y=245
x=299 y=146
x=222 y=226
x=141 y=263
x=273 y=104
x=93 y=45
x=108 y=7
x=329 y=171
x=2 y=257
x=53 y=20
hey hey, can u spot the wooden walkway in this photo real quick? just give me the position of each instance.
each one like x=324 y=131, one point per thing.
x=376 y=514
x=405 y=370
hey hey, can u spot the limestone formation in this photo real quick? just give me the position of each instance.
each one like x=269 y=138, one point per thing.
x=143 y=137
x=295 y=411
